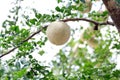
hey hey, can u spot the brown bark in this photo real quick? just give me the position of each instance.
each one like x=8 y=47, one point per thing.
x=114 y=11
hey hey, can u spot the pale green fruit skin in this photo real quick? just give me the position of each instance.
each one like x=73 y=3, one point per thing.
x=58 y=32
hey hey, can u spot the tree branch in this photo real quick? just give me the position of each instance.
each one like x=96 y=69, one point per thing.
x=88 y=20
x=65 y=20
x=114 y=11
x=22 y=42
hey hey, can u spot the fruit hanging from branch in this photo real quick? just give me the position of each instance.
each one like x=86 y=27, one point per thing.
x=89 y=37
x=58 y=32
x=83 y=6
x=87 y=5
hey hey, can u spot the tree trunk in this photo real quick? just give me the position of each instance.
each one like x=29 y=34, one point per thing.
x=113 y=6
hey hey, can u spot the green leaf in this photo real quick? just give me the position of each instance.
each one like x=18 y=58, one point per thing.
x=38 y=16
x=117 y=46
x=41 y=52
x=15 y=29
x=30 y=56
x=20 y=73
x=24 y=33
x=59 y=1
x=116 y=73
x=33 y=21
x=27 y=22
x=58 y=9
x=1 y=72
x=77 y=1
x=30 y=74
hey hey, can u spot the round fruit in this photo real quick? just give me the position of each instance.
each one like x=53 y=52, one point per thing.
x=89 y=36
x=88 y=6
x=58 y=32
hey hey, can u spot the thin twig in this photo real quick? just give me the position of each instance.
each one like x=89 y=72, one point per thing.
x=22 y=42
x=65 y=20
x=88 y=20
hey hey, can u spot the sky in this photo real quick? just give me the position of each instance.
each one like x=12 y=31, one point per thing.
x=43 y=6
x=4 y=10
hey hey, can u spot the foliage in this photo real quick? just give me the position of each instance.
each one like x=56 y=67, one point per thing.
x=85 y=64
